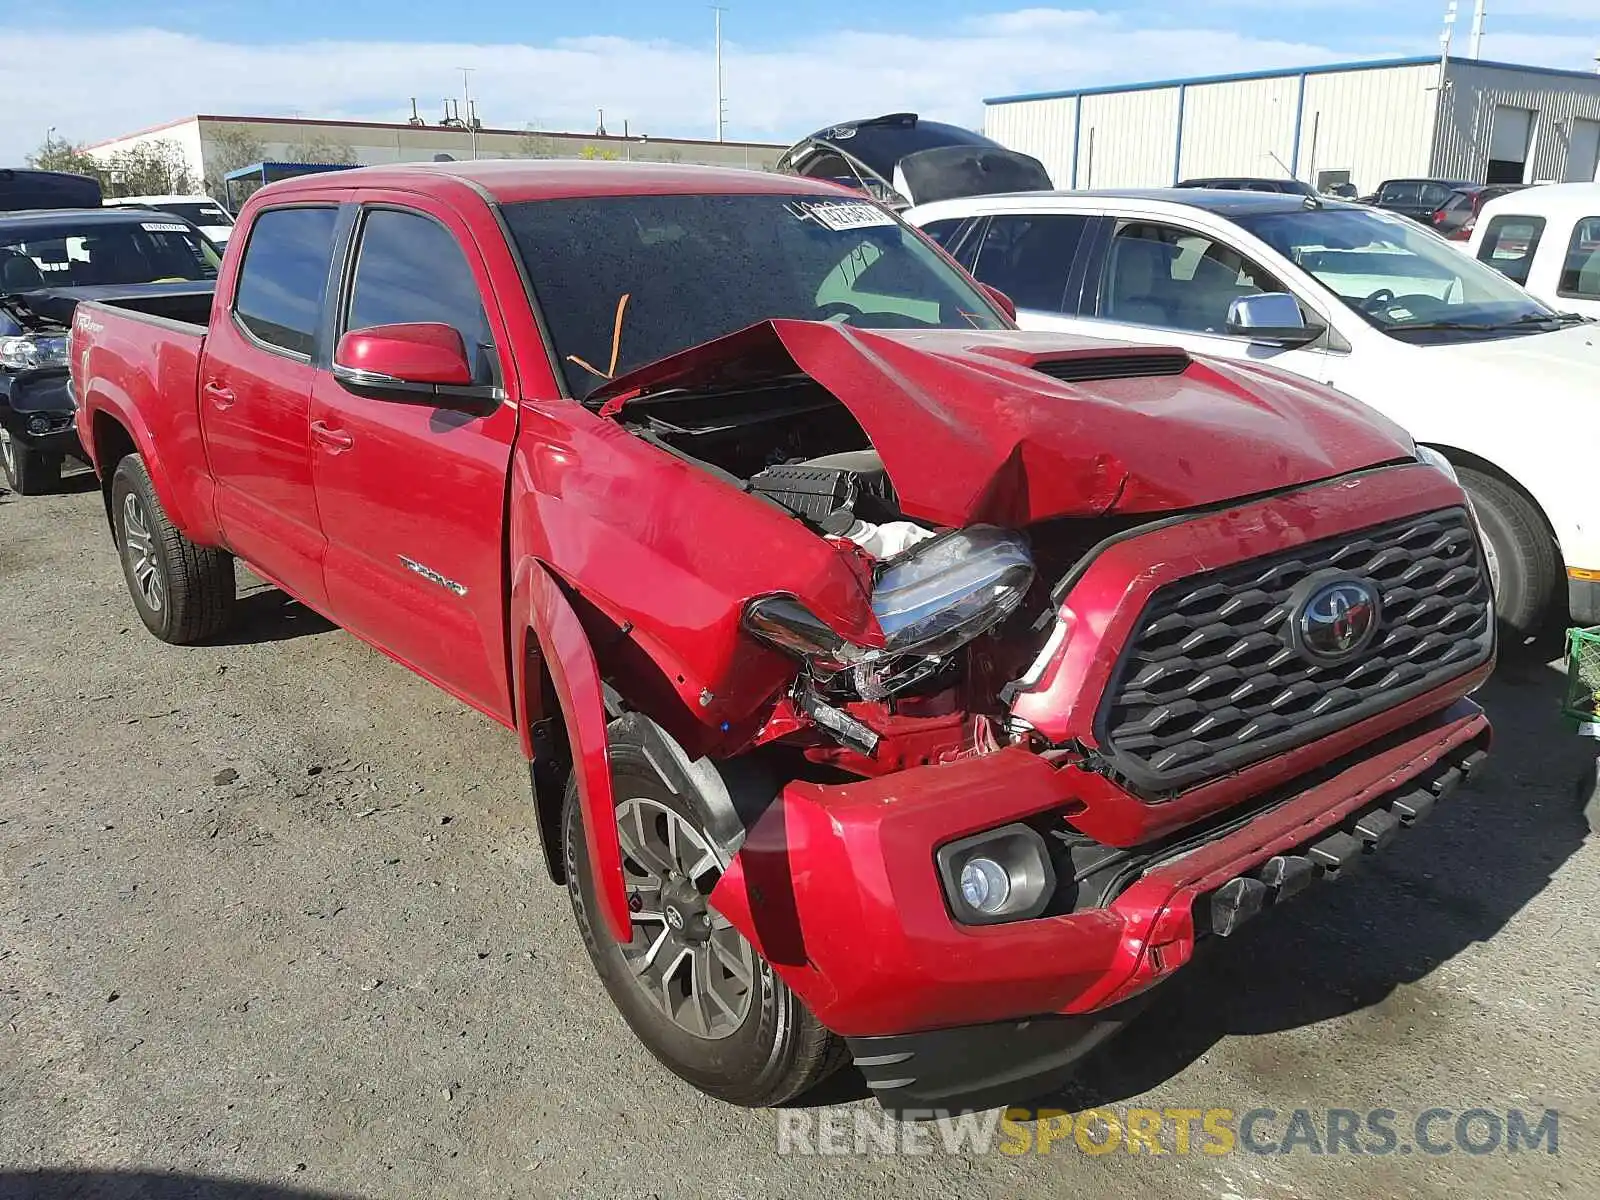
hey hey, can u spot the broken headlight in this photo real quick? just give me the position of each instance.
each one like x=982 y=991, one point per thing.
x=928 y=600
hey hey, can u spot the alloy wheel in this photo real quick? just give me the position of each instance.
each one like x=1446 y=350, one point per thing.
x=8 y=453
x=140 y=546
x=687 y=959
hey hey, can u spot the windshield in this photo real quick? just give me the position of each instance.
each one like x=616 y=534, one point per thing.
x=200 y=212
x=87 y=254
x=1401 y=278
x=626 y=280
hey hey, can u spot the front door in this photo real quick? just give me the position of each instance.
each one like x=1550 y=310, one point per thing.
x=255 y=397
x=412 y=497
x=1172 y=285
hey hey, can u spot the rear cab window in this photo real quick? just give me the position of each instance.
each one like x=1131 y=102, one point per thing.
x=278 y=299
x=1509 y=245
x=1580 y=273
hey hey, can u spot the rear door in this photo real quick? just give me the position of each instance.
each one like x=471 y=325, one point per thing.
x=1030 y=257
x=255 y=395
x=411 y=496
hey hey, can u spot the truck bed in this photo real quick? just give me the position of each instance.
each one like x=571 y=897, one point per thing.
x=145 y=369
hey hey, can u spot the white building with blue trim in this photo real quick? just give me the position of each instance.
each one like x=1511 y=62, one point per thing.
x=1451 y=118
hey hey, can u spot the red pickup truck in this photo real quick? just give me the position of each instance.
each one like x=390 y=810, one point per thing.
x=896 y=685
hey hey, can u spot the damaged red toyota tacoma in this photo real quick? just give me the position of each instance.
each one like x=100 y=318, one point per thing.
x=897 y=686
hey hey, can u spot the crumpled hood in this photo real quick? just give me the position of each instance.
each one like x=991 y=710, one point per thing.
x=968 y=431
x=58 y=304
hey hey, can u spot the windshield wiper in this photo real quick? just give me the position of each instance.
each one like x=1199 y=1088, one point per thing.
x=1523 y=322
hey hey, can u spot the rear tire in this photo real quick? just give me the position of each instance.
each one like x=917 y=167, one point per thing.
x=28 y=472
x=753 y=1042
x=1524 y=560
x=184 y=593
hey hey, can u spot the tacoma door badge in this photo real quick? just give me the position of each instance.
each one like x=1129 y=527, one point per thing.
x=432 y=576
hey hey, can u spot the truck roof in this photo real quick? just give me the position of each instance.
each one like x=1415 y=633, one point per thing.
x=513 y=180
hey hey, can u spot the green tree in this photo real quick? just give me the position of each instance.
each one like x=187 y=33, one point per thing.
x=157 y=167
x=57 y=155
x=227 y=148
x=536 y=145
x=320 y=148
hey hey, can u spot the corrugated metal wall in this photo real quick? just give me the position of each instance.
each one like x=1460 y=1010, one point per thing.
x=1042 y=128
x=1237 y=128
x=1128 y=139
x=1375 y=124
x=1461 y=147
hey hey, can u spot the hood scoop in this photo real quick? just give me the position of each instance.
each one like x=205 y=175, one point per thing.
x=1088 y=369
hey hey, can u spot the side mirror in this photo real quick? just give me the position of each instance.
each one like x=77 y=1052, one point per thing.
x=1271 y=319
x=421 y=363
x=1000 y=300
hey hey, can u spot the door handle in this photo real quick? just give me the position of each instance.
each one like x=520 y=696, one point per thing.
x=220 y=396
x=334 y=439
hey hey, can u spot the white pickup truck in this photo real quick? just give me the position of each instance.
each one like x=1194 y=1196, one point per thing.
x=1502 y=385
x=1548 y=240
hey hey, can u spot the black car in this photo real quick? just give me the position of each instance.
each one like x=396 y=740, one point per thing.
x=1240 y=183
x=900 y=159
x=50 y=259
x=1418 y=199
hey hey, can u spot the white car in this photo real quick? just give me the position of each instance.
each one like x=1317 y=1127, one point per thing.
x=1548 y=240
x=1361 y=299
x=212 y=219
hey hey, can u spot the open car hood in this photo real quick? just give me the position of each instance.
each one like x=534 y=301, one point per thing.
x=969 y=430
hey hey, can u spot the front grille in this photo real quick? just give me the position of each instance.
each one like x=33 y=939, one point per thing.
x=1087 y=368
x=1210 y=682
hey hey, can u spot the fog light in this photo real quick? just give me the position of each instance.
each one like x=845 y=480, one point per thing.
x=985 y=885
x=1002 y=875
x=38 y=424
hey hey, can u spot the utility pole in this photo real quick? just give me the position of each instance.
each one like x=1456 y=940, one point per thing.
x=472 y=119
x=1479 y=15
x=722 y=103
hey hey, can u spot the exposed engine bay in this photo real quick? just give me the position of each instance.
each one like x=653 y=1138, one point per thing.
x=963 y=611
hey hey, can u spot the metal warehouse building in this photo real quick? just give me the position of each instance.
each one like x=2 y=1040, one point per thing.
x=1362 y=123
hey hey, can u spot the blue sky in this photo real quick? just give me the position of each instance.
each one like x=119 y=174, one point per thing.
x=98 y=68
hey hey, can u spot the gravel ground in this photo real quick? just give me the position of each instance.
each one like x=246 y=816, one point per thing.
x=272 y=914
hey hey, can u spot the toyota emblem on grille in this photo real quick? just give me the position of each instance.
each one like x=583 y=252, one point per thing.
x=1336 y=619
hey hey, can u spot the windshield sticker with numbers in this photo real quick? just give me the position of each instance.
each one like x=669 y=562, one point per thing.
x=161 y=227
x=845 y=214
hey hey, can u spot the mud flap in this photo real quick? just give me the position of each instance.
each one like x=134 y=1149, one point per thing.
x=566 y=652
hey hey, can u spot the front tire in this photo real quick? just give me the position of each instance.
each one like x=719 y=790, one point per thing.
x=1523 y=561
x=184 y=592
x=691 y=987
x=28 y=472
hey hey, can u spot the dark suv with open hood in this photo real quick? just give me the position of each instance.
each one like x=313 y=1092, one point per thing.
x=50 y=259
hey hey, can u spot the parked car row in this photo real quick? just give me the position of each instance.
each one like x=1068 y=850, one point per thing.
x=898 y=685
x=1348 y=296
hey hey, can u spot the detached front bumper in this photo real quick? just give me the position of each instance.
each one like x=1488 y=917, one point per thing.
x=36 y=410
x=835 y=886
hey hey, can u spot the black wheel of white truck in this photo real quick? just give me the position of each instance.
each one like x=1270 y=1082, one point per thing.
x=1524 y=565
x=28 y=472
x=184 y=593
x=691 y=987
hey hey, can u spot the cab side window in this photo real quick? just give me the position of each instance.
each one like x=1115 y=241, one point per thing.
x=1580 y=274
x=1509 y=244
x=1029 y=257
x=410 y=269
x=283 y=276
x=1174 y=278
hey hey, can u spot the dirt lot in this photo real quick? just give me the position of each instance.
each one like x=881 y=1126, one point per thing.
x=273 y=911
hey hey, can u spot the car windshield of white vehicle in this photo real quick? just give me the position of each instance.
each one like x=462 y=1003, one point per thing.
x=626 y=280
x=96 y=253
x=1401 y=278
